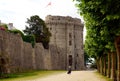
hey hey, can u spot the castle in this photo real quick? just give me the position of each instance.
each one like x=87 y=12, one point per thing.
x=67 y=34
x=66 y=43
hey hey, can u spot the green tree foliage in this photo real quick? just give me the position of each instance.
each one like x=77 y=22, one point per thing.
x=26 y=38
x=29 y=39
x=36 y=26
x=102 y=21
x=17 y=32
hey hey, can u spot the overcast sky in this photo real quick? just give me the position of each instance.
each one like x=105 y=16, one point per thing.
x=17 y=11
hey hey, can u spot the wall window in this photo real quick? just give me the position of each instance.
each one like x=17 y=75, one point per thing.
x=77 y=55
x=70 y=39
x=70 y=35
x=70 y=42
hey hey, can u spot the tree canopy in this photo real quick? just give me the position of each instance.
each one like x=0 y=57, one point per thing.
x=102 y=21
x=36 y=26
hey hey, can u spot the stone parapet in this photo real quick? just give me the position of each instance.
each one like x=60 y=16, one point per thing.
x=62 y=20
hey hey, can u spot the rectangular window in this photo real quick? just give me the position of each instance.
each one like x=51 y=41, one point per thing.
x=70 y=35
x=70 y=39
x=70 y=42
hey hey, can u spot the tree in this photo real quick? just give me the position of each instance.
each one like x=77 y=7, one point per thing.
x=36 y=26
x=29 y=39
x=102 y=21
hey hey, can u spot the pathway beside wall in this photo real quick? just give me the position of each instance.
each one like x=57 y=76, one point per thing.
x=74 y=76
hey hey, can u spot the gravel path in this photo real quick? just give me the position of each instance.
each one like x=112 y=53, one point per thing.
x=74 y=76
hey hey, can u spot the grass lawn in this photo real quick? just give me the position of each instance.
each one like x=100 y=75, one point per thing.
x=30 y=75
x=101 y=76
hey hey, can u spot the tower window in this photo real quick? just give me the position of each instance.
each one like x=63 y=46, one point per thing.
x=70 y=35
x=77 y=55
x=70 y=39
x=70 y=42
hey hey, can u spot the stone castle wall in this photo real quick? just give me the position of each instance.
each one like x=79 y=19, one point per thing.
x=23 y=57
x=58 y=58
x=9 y=46
x=19 y=56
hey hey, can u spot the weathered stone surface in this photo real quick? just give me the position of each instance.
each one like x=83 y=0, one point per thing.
x=27 y=60
x=67 y=34
x=66 y=40
x=39 y=56
x=58 y=58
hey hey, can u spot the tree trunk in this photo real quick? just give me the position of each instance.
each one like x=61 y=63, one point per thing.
x=101 y=65
x=118 y=67
x=117 y=45
x=113 y=66
x=109 y=64
x=98 y=64
x=104 y=64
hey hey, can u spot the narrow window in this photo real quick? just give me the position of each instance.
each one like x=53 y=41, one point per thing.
x=70 y=39
x=70 y=35
x=70 y=42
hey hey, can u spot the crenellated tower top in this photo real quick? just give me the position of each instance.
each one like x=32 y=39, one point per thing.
x=63 y=20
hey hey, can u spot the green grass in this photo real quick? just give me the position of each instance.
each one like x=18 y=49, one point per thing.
x=30 y=75
x=103 y=77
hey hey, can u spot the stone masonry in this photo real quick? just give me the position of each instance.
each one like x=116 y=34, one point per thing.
x=66 y=40
x=67 y=34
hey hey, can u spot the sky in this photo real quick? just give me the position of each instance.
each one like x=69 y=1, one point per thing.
x=17 y=11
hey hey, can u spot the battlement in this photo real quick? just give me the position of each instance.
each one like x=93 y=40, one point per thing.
x=62 y=20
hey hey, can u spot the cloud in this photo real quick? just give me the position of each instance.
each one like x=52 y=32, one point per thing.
x=17 y=11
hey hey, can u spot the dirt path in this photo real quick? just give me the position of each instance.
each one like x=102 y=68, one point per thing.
x=74 y=76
